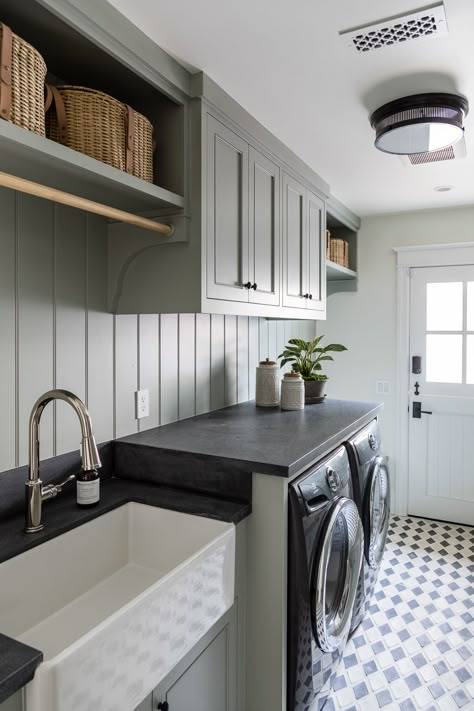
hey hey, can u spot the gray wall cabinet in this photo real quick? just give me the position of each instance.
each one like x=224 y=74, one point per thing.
x=304 y=282
x=233 y=263
x=264 y=230
x=243 y=220
x=227 y=243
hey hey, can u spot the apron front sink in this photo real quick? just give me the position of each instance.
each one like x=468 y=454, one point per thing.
x=115 y=603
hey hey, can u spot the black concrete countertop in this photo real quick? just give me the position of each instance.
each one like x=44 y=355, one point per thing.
x=63 y=514
x=264 y=440
x=17 y=665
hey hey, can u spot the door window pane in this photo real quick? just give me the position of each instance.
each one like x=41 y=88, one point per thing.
x=470 y=306
x=443 y=358
x=444 y=307
x=470 y=360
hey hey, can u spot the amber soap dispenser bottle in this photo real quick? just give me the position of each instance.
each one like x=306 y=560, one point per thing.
x=88 y=488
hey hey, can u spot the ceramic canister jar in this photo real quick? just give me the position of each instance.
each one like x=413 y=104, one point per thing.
x=267 y=384
x=292 y=392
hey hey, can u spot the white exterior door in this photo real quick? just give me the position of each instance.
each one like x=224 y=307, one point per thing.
x=441 y=429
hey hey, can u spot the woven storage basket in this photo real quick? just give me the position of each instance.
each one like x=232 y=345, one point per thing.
x=339 y=251
x=102 y=127
x=22 y=77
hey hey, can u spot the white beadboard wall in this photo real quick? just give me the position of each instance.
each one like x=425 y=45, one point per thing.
x=55 y=331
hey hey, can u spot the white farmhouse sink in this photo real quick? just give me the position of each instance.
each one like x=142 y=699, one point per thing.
x=115 y=603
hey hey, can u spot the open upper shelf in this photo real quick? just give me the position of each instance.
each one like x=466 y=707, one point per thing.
x=336 y=272
x=27 y=155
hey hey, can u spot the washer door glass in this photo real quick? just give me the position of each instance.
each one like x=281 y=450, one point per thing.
x=376 y=512
x=336 y=574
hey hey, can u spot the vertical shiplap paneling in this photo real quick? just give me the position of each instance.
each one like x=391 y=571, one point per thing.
x=217 y=362
x=242 y=358
x=148 y=367
x=280 y=340
x=203 y=363
x=99 y=333
x=263 y=339
x=272 y=340
x=35 y=224
x=230 y=359
x=56 y=330
x=7 y=329
x=254 y=353
x=70 y=319
x=169 y=368
x=186 y=360
x=126 y=374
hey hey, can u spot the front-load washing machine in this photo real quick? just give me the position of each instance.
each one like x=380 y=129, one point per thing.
x=325 y=551
x=372 y=495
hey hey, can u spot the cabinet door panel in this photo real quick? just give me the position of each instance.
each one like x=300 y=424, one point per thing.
x=204 y=686
x=294 y=243
x=264 y=229
x=316 y=254
x=227 y=213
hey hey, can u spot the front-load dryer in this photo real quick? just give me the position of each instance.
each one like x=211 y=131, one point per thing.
x=325 y=551
x=372 y=495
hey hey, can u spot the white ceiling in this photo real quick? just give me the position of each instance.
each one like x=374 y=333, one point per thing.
x=284 y=61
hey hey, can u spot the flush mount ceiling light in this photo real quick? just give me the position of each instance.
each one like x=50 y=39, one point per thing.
x=419 y=123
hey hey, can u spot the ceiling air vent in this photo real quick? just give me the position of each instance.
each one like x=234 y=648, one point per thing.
x=432 y=156
x=430 y=22
x=455 y=152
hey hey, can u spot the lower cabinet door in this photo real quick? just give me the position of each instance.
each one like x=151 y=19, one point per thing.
x=207 y=681
x=146 y=705
x=203 y=687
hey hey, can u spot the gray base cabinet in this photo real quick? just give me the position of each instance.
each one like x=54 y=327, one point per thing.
x=206 y=679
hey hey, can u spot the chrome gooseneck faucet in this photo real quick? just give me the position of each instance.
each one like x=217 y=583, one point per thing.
x=35 y=492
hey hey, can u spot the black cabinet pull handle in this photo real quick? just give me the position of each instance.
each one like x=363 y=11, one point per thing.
x=310 y=296
x=254 y=286
x=305 y=296
x=163 y=706
x=248 y=285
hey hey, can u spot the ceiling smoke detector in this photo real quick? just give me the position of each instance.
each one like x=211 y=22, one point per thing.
x=419 y=124
x=428 y=22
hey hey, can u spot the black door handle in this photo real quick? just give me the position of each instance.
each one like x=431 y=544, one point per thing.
x=248 y=285
x=305 y=296
x=417 y=412
x=254 y=286
x=163 y=706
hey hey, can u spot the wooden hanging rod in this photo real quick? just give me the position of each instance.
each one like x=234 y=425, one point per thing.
x=42 y=191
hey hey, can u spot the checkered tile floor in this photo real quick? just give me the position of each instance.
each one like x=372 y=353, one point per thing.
x=415 y=649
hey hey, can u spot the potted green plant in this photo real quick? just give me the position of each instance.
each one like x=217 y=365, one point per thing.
x=306 y=358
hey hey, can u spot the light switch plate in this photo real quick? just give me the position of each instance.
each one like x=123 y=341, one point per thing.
x=142 y=404
x=383 y=387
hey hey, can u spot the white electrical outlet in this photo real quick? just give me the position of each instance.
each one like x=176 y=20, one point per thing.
x=142 y=404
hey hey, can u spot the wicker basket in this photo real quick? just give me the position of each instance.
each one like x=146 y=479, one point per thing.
x=22 y=77
x=339 y=251
x=98 y=125
x=328 y=244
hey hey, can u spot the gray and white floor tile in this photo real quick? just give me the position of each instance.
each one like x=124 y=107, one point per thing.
x=415 y=649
